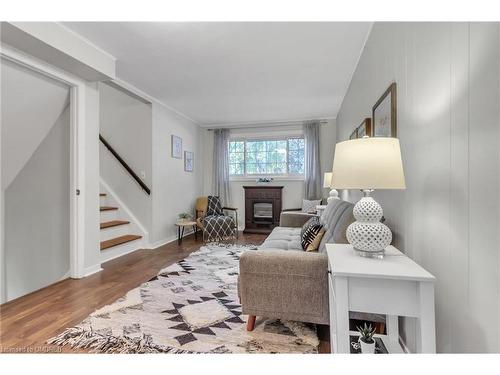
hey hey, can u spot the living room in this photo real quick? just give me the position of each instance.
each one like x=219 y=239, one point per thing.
x=320 y=187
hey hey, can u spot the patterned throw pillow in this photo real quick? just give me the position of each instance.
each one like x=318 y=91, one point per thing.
x=214 y=207
x=311 y=234
x=310 y=206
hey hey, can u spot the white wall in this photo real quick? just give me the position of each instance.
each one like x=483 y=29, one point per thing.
x=46 y=98
x=174 y=190
x=126 y=123
x=92 y=260
x=140 y=132
x=37 y=216
x=293 y=188
x=448 y=124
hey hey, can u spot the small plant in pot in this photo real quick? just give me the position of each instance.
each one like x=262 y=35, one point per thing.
x=366 y=340
x=184 y=216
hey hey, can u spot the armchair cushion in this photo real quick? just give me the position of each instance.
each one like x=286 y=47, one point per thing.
x=202 y=204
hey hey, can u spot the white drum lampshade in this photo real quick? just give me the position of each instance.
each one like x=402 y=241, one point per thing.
x=327 y=184
x=368 y=164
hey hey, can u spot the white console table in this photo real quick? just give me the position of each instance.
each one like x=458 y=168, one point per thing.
x=394 y=286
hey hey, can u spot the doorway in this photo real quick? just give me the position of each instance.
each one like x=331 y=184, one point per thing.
x=42 y=211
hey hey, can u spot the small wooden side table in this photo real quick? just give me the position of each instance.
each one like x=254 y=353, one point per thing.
x=394 y=286
x=180 y=229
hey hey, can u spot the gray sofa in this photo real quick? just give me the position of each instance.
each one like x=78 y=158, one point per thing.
x=280 y=280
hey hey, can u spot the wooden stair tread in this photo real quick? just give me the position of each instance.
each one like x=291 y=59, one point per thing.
x=113 y=223
x=102 y=194
x=108 y=208
x=118 y=241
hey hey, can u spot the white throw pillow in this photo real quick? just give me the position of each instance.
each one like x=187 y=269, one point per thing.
x=310 y=206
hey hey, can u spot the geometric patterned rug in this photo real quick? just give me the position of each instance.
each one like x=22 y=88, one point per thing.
x=190 y=307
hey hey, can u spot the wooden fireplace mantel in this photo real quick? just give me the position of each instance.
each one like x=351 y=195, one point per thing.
x=262 y=194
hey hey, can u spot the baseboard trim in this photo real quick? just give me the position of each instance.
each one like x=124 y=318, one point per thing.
x=168 y=240
x=92 y=269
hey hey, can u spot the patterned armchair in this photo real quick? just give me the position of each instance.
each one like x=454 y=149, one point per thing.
x=212 y=220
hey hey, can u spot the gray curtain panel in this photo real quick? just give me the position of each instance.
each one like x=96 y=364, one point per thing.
x=312 y=170
x=221 y=166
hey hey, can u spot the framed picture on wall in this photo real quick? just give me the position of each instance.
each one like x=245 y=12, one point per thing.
x=365 y=129
x=188 y=161
x=384 y=114
x=176 y=147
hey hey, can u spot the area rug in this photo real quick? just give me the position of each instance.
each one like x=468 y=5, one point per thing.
x=190 y=307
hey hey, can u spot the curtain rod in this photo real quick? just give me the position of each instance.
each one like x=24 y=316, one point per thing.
x=264 y=124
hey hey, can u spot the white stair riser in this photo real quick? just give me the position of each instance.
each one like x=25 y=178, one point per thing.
x=103 y=201
x=108 y=215
x=117 y=251
x=113 y=232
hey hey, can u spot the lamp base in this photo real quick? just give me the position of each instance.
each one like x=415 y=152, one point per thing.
x=370 y=254
x=334 y=194
x=367 y=235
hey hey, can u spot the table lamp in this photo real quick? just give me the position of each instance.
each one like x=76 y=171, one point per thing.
x=327 y=184
x=368 y=164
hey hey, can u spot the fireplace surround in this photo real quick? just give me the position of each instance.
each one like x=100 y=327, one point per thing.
x=262 y=208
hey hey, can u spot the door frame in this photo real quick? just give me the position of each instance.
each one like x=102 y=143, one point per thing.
x=77 y=89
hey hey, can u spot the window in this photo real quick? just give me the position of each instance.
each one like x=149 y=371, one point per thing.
x=266 y=157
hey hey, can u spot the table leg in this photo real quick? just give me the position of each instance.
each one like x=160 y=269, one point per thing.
x=392 y=325
x=178 y=235
x=195 y=230
x=342 y=315
x=426 y=322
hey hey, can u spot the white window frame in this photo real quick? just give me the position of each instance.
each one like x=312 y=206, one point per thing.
x=281 y=176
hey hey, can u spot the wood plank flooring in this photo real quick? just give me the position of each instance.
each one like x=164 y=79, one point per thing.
x=27 y=322
x=119 y=241
x=113 y=223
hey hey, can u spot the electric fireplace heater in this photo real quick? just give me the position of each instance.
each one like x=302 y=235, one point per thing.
x=262 y=208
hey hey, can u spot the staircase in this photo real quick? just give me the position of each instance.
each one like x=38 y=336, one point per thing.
x=116 y=229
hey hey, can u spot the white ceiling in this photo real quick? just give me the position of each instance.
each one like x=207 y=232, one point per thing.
x=224 y=73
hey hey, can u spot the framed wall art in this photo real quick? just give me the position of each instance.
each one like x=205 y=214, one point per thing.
x=384 y=114
x=188 y=161
x=176 y=147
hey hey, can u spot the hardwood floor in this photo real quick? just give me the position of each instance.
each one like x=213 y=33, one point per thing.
x=27 y=322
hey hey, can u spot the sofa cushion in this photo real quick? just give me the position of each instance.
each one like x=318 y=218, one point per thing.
x=283 y=238
x=336 y=218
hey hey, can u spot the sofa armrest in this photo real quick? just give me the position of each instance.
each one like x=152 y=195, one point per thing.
x=290 y=285
x=294 y=219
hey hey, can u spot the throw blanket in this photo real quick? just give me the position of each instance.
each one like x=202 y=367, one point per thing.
x=219 y=227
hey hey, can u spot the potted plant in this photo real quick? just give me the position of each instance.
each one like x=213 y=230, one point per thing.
x=366 y=340
x=184 y=216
